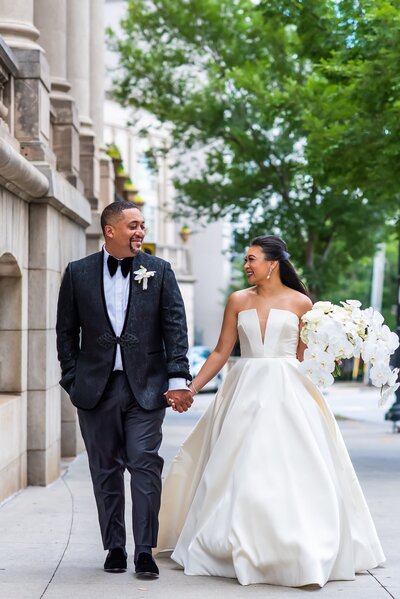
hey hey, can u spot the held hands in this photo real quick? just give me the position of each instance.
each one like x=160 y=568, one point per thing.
x=180 y=400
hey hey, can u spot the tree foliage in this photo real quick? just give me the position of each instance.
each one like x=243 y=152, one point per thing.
x=283 y=116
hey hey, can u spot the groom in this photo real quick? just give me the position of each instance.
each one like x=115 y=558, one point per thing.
x=122 y=344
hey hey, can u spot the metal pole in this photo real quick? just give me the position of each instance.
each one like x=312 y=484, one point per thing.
x=393 y=413
x=378 y=276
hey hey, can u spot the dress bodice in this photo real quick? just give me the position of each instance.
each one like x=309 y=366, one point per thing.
x=281 y=334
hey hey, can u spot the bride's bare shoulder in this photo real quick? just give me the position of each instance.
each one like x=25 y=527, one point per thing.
x=301 y=302
x=239 y=300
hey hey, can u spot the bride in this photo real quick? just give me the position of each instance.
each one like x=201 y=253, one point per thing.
x=263 y=490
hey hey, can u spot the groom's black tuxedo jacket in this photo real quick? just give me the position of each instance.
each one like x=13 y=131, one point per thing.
x=153 y=340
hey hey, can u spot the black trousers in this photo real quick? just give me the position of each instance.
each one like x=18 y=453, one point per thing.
x=119 y=434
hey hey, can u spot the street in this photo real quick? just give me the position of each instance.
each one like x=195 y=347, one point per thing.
x=51 y=549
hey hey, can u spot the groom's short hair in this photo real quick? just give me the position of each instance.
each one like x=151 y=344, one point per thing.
x=113 y=212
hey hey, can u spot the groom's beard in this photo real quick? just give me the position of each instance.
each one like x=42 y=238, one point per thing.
x=135 y=247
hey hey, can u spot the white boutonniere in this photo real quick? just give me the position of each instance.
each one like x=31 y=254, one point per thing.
x=143 y=275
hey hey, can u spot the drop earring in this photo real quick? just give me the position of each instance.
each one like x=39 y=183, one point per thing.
x=269 y=273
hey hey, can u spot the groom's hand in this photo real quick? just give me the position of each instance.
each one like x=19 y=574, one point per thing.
x=180 y=399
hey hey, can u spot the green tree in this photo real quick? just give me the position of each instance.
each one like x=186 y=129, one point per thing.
x=275 y=118
x=355 y=283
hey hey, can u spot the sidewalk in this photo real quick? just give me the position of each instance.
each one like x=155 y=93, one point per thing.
x=357 y=401
x=50 y=544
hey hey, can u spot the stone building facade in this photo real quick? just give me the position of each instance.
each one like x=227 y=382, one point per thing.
x=55 y=178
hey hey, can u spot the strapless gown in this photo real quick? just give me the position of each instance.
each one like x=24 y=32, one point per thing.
x=263 y=490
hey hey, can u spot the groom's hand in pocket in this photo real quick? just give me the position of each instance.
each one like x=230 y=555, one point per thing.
x=180 y=399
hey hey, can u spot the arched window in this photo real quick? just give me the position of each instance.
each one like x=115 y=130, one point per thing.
x=10 y=325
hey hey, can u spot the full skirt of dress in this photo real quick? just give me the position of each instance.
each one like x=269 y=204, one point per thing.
x=263 y=490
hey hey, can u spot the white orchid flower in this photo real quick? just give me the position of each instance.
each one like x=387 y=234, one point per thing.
x=351 y=303
x=307 y=367
x=393 y=377
x=313 y=316
x=389 y=392
x=323 y=378
x=324 y=306
x=377 y=319
x=311 y=351
x=320 y=376
x=379 y=374
x=391 y=339
x=325 y=360
x=367 y=315
x=143 y=275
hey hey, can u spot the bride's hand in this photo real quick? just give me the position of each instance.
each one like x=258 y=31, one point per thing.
x=180 y=399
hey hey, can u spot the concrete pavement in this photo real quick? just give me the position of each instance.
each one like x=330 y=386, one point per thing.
x=357 y=401
x=50 y=545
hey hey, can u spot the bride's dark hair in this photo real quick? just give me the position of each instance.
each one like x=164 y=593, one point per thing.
x=274 y=248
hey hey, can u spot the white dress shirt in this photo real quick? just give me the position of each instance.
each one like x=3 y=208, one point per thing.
x=116 y=293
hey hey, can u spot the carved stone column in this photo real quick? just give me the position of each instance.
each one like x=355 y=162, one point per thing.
x=16 y=24
x=51 y=20
x=97 y=68
x=102 y=188
x=50 y=17
x=32 y=83
x=79 y=31
x=4 y=77
x=8 y=69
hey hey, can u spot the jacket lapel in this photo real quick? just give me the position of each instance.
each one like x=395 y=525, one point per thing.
x=135 y=289
x=100 y=277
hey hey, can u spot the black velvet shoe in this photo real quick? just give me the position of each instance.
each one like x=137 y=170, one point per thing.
x=116 y=560
x=146 y=567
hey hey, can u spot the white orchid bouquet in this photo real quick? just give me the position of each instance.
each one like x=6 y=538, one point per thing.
x=333 y=333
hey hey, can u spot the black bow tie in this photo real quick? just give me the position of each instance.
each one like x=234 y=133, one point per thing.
x=112 y=264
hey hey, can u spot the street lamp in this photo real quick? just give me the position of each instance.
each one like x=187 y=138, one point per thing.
x=393 y=413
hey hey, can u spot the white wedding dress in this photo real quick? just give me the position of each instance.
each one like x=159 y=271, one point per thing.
x=263 y=490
